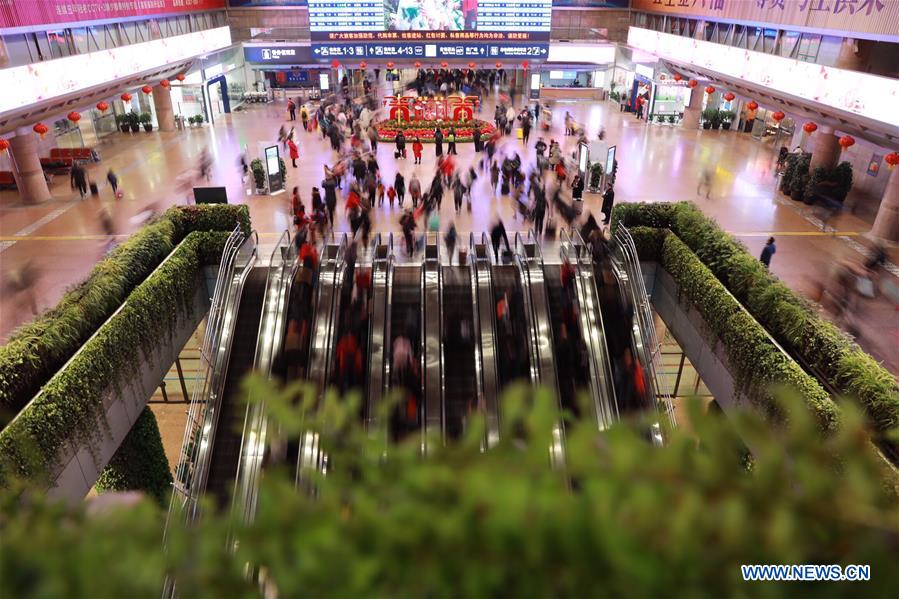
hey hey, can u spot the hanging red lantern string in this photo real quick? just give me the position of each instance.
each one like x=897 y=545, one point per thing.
x=390 y=65
x=692 y=83
x=778 y=116
x=847 y=141
x=126 y=97
x=471 y=65
x=752 y=105
x=102 y=106
x=74 y=116
x=335 y=63
x=180 y=77
x=678 y=76
x=4 y=145
x=41 y=129
x=525 y=64
x=810 y=127
x=147 y=89
x=710 y=90
x=417 y=64
x=444 y=64
x=164 y=83
x=892 y=160
x=729 y=97
x=363 y=65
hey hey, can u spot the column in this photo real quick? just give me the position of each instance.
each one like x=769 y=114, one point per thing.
x=162 y=101
x=825 y=148
x=27 y=167
x=886 y=225
x=693 y=110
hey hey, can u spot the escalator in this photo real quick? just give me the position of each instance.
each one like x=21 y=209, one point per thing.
x=232 y=411
x=405 y=321
x=460 y=392
x=513 y=359
x=573 y=372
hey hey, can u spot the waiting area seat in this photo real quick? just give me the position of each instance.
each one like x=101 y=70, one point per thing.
x=7 y=180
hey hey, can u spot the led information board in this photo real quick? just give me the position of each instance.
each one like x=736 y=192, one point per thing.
x=469 y=51
x=430 y=20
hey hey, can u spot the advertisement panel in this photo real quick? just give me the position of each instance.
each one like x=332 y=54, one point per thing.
x=470 y=51
x=28 y=13
x=430 y=20
x=859 y=93
x=265 y=3
x=877 y=17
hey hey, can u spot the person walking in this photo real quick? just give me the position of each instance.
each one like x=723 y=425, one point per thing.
x=450 y=239
x=415 y=190
x=304 y=116
x=451 y=142
x=373 y=137
x=458 y=194
x=476 y=138
x=78 y=177
x=438 y=141
x=608 y=200
x=767 y=252
x=498 y=235
x=294 y=152
x=113 y=180
x=525 y=126
x=705 y=180
x=292 y=110
x=330 y=186
x=417 y=149
x=399 y=184
x=400 y=146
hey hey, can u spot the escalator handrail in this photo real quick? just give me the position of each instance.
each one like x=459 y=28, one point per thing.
x=601 y=366
x=422 y=345
x=388 y=322
x=373 y=394
x=520 y=263
x=372 y=259
x=269 y=335
x=491 y=398
x=331 y=342
x=229 y=252
x=212 y=393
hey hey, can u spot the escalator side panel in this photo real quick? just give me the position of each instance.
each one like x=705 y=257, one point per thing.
x=460 y=386
x=486 y=327
x=434 y=416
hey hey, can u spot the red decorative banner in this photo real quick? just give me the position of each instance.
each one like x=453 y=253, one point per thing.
x=28 y=13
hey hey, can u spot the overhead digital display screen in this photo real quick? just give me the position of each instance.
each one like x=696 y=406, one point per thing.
x=430 y=20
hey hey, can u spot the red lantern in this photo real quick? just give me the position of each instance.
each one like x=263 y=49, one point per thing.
x=678 y=77
x=164 y=83
x=4 y=145
x=729 y=97
x=710 y=90
x=778 y=116
x=847 y=141
x=752 y=105
x=180 y=77
x=417 y=65
x=810 y=127
x=363 y=65
x=147 y=89
x=102 y=106
x=471 y=65
x=74 y=116
x=444 y=64
x=335 y=63
x=499 y=65
x=390 y=65
x=892 y=159
x=41 y=129
x=525 y=64
x=692 y=83
x=126 y=97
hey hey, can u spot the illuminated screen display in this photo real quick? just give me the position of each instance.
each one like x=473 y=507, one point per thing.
x=430 y=20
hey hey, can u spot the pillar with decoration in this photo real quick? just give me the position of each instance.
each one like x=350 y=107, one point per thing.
x=824 y=146
x=26 y=166
x=693 y=110
x=886 y=224
x=162 y=102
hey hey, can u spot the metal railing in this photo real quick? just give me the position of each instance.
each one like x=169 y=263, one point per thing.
x=630 y=275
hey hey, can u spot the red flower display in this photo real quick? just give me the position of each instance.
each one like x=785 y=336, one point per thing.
x=180 y=77
x=126 y=97
x=147 y=89
x=810 y=127
x=752 y=105
x=102 y=106
x=847 y=141
x=74 y=116
x=692 y=83
x=778 y=116
x=710 y=90
x=41 y=129
x=424 y=130
x=729 y=97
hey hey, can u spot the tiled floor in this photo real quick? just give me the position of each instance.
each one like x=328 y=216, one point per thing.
x=64 y=237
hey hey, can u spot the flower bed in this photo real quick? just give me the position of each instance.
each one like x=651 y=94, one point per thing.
x=424 y=130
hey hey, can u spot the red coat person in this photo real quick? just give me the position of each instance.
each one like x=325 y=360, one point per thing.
x=294 y=151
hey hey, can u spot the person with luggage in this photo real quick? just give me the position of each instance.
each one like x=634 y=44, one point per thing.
x=78 y=177
x=400 y=146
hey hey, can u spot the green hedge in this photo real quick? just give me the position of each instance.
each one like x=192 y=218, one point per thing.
x=792 y=321
x=140 y=463
x=37 y=350
x=759 y=365
x=70 y=404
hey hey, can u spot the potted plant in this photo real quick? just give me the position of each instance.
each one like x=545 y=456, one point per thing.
x=660 y=118
x=283 y=168
x=842 y=175
x=258 y=175
x=122 y=121
x=707 y=115
x=671 y=119
x=727 y=117
x=145 y=120
x=133 y=122
x=716 y=119
x=801 y=177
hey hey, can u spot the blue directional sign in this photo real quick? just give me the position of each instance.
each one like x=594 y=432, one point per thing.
x=531 y=51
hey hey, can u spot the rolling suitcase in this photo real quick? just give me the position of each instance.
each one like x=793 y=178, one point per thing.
x=94 y=190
